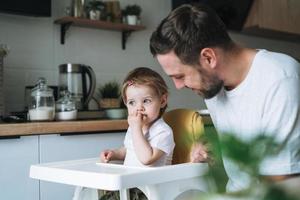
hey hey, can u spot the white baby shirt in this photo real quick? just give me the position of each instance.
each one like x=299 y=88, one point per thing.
x=160 y=136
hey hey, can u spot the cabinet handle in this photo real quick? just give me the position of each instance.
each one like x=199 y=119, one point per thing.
x=9 y=137
x=90 y=133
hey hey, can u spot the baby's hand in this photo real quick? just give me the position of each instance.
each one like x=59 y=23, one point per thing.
x=106 y=155
x=135 y=119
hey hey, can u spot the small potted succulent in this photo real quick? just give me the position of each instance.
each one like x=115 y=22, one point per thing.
x=132 y=14
x=109 y=94
x=94 y=9
x=110 y=100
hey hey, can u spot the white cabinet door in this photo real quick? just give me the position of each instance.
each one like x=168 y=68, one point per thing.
x=70 y=147
x=16 y=156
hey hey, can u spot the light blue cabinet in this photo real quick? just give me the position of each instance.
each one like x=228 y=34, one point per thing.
x=16 y=156
x=70 y=147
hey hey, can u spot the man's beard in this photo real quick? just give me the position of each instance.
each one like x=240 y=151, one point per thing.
x=211 y=85
x=213 y=90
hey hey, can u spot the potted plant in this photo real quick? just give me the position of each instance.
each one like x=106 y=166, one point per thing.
x=132 y=14
x=94 y=9
x=248 y=156
x=109 y=94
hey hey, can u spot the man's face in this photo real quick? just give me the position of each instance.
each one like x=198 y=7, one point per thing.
x=202 y=81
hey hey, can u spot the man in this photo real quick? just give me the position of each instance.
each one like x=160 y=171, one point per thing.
x=247 y=91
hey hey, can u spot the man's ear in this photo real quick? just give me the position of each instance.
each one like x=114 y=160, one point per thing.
x=164 y=100
x=208 y=58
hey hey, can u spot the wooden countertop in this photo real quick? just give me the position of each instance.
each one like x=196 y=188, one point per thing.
x=65 y=127
x=68 y=127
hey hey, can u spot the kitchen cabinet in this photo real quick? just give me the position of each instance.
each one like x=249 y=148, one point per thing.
x=125 y=29
x=274 y=18
x=16 y=155
x=69 y=140
x=72 y=147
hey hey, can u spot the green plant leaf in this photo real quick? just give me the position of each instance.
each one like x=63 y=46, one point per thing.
x=109 y=90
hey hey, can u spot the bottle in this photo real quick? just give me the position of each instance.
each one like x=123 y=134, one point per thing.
x=78 y=8
x=42 y=103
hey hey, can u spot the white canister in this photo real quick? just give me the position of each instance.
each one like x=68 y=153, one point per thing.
x=42 y=114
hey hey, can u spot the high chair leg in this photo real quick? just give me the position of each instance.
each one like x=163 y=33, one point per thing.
x=171 y=190
x=124 y=194
x=83 y=193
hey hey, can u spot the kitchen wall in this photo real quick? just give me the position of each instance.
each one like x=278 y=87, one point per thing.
x=35 y=51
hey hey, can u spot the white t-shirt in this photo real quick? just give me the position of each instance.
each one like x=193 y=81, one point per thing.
x=160 y=136
x=266 y=102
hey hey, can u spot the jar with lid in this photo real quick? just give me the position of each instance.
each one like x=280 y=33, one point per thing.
x=42 y=103
x=66 y=107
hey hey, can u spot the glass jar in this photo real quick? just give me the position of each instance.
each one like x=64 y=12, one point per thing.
x=66 y=107
x=42 y=103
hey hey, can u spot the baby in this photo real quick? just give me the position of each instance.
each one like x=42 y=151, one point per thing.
x=149 y=140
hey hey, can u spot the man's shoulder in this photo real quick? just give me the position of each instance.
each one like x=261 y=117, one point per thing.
x=276 y=65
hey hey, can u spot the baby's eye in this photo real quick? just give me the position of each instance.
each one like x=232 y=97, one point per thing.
x=147 y=101
x=131 y=103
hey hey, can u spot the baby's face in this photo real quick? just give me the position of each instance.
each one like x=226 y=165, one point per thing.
x=141 y=98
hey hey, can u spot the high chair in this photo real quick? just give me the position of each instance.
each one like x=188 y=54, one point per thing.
x=158 y=183
x=187 y=129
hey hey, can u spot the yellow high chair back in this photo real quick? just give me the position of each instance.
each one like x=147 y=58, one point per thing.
x=187 y=129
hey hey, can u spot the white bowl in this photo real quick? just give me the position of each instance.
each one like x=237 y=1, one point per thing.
x=66 y=115
x=116 y=113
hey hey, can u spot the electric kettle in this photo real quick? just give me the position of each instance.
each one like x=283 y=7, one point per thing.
x=80 y=81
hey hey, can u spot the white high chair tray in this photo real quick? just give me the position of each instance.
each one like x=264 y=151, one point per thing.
x=90 y=173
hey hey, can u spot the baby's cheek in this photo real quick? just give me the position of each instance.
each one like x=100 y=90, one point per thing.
x=131 y=111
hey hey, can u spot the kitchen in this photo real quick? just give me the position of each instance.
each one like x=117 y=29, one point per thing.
x=35 y=51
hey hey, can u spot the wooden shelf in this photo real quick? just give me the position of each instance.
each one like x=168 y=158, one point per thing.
x=125 y=29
